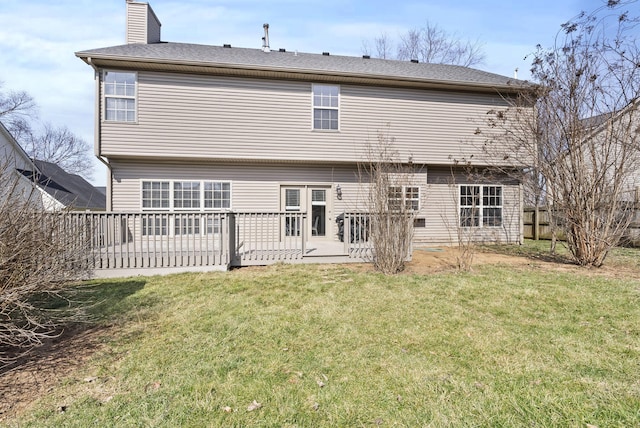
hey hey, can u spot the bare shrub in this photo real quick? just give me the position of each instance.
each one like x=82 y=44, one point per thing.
x=42 y=255
x=390 y=205
x=584 y=142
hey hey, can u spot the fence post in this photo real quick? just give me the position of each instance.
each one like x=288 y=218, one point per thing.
x=231 y=241
x=536 y=223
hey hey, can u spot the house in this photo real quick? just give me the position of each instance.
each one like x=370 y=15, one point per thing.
x=62 y=190
x=12 y=160
x=202 y=128
x=43 y=182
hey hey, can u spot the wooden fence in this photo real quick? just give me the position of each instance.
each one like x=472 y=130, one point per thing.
x=537 y=225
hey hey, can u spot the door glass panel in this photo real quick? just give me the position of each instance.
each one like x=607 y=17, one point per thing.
x=318 y=212
x=292 y=221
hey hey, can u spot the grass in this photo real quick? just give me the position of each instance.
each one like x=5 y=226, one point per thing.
x=329 y=346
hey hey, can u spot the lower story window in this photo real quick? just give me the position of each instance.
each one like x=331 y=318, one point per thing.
x=407 y=195
x=187 y=224
x=186 y=195
x=154 y=225
x=155 y=195
x=480 y=205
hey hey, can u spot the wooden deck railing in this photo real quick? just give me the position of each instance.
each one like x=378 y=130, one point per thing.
x=186 y=239
x=355 y=232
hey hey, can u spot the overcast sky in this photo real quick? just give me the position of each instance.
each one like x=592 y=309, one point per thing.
x=38 y=38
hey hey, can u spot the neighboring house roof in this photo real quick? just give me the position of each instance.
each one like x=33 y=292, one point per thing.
x=70 y=190
x=188 y=57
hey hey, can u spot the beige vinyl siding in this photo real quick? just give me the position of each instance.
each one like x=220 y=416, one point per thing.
x=142 y=24
x=192 y=116
x=256 y=188
x=442 y=204
x=153 y=27
x=136 y=23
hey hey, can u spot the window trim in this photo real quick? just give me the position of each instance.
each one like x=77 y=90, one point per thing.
x=172 y=207
x=314 y=107
x=133 y=97
x=481 y=206
x=403 y=197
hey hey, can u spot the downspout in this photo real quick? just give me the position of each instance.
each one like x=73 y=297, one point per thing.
x=97 y=148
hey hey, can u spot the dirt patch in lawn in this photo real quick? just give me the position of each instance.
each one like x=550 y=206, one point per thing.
x=34 y=375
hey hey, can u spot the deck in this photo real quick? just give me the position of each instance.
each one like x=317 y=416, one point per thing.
x=149 y=243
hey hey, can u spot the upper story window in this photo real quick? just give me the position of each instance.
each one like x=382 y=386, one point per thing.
x=120 y=96
x=480 y=205
x=325 y=107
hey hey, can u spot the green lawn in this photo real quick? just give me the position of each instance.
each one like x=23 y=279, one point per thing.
x=330 y=346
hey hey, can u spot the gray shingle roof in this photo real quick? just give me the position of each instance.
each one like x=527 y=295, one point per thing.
x=69 y=189
x=185 y=53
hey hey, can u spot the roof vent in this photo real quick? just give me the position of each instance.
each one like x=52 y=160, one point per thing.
x=282 y=50
x=415 y=61
x=325 y=53
x=366 y=56
x=265 y=39
x=226 y=45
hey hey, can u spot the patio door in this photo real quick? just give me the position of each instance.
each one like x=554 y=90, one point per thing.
x=314 y=200
x=318 y=212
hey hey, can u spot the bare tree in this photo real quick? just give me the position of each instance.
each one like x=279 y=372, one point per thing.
x=383 y=47
x=430 y=44
x=46 y=142
x=41 y=255
x=391 y=204
x=60 y=146
x=583 y=146
x=15 y=108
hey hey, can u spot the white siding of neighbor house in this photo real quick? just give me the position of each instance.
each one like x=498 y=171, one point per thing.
x=207 y=117
x=256 y=188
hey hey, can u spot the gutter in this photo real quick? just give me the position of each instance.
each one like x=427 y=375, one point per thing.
x=97 y=148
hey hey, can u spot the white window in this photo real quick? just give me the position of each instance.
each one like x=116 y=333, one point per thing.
x=292 y=199
x=492 y=206
x=120 y=96
x=480 y=205
x=412 y=198
x=187 y=224
x=325 y=107
x=154 y=225
x=155 y=195
x=217 y=195
x=407 y=195
x=292 y=203
x=186 y=195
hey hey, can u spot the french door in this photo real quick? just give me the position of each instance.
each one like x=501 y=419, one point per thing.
x=314 y=200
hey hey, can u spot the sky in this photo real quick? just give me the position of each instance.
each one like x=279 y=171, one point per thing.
x=38 y=38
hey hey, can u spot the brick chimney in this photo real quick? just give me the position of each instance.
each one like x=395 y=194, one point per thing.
x=143 y=26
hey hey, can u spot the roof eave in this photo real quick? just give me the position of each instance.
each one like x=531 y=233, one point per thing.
x=257 y=71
